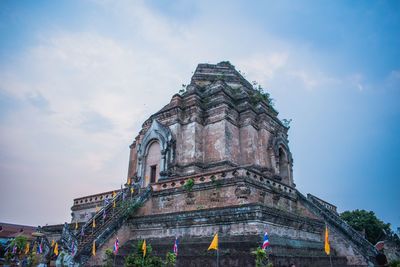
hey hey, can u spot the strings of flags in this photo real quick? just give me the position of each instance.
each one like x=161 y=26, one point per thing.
x=214 y=245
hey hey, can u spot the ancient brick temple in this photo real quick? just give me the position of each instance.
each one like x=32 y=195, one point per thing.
x=224 y=137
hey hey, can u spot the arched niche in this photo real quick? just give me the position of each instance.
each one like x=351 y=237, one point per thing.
x=152 y=162
x=284 y=167
x=156 y=145
x=282 y=159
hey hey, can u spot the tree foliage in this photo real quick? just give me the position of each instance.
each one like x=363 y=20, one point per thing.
x=260 y=95
x=19 y=242
x=136 y=259
x=108 y=259
x=261 y=257
x=362 y=220
x=170 y=259
x=188 y=186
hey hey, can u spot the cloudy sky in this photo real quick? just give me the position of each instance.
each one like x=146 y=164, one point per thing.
x=78 y=78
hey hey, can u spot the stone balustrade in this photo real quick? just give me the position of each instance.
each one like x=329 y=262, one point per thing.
x=221 y=175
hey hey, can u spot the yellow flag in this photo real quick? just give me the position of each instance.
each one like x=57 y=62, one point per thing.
x=327 y=246
x=114 y=204
x=114 y=194
x=132 y=190
x=76 y=225
x=56 y=249
x=144 y=248
x=129 y=181
x=52 y=242
x=27 y=248
x=94 y=223
x=94 y=248
x=214 y=243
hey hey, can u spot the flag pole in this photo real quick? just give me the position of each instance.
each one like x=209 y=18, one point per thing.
x=114 y=260
x=218 y=253
x=330 y=259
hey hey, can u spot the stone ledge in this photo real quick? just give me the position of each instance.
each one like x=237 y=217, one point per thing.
x=227 y=215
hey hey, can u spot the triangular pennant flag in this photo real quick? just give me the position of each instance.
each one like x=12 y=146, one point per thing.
x=214 y=243
x=94 y=248
x=27 y=248
x=56 y=249
x=327 y=246
x=144 y=248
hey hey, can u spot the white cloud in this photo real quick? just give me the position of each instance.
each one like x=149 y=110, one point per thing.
x=100 y=89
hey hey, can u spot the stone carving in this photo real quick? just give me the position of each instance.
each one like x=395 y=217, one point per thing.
x=159 y=132
x=261 y=197
x=190 y=199
x=215 y=196
x=168 y=201
x=242 y=191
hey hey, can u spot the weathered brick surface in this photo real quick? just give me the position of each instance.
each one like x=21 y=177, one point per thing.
x=215 y=124
x=236 y=151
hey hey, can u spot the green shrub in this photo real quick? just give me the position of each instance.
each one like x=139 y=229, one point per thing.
x=136 y=259
x=189 y=184
x=108 y=260
x=261 y=257
x=170 y=259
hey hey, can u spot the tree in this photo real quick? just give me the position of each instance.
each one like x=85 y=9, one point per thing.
x=136 y=259
x=362 y=220
x=261 y=257
x=19 y=243
x=108 y=259
x=170 y=259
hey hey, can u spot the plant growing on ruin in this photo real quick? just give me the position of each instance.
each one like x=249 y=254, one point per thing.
x=170 y=259
x=108 y=260
x=261 y=257
x=183 y=89
x=136 y=259
x=260 y=95
x=286 y=122
x=188 y=186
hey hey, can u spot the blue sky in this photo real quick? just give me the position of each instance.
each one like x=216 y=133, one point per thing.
x=78 y=78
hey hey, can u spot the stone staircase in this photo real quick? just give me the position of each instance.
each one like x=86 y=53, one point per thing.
x=80 y=243
x=333 y=220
